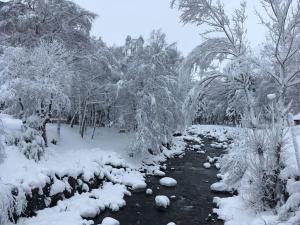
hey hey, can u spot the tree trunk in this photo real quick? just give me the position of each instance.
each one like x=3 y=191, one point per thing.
x=58 y=126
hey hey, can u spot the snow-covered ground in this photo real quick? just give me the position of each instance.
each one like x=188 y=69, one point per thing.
x=106 y=156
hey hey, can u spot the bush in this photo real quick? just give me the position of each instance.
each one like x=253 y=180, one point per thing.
x=31 y=142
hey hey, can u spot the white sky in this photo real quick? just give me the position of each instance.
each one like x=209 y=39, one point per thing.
x=118 y=18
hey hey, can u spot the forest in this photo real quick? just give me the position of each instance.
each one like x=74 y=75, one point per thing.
x=93 y=133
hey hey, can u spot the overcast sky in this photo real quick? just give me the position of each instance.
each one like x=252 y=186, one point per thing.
x=118 y=18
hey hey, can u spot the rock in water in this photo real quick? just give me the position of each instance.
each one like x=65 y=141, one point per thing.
x=110 y=221
x=206 y=165
x=149 y=191
x=159 y=173
x=162 y=201
x=168 y=182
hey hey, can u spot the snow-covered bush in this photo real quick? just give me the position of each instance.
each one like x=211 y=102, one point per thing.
x=252 y=166
x=31 y=143
x=6 y=203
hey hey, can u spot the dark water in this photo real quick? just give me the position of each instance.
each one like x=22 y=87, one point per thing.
x=193 y=202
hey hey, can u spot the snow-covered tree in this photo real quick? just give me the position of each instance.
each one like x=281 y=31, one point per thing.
x=229 y=46
x=148 y=94
x=27 y=22
x=281 y=53
x=36 y=81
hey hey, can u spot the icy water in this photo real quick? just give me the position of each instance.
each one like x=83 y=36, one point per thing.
x=193 y=202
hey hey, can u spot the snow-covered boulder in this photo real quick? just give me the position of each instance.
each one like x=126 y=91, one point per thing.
x=220 y=187
x=168 y=182
x=217 y=165
x=206 y=165
x=172 y=223
x=159 y=173
x=110 y=221
x=162 y=201
x=196 y=147
x=149 y=191
x=139 y=186
x=57 y=187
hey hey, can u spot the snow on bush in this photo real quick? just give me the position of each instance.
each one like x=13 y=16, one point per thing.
x=6 y=203
x=168 y=182
x=10 y=203
x=31 y=142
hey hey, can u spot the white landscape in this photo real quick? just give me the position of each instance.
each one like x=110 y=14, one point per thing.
x=139 y=133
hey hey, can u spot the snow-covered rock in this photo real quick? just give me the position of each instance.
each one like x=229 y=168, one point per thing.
x=196 y=147
x=201 y=152
x=217 y=165
x=168 y=182
x=159 y=173
x=149 y=191
x=162 y=201
x=206 y=165
x=57 y=187
x=220 y=187
x=139 y=186
x=172 y=223
x=110 y=221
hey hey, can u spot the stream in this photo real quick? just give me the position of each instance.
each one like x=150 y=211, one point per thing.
x=193 y=202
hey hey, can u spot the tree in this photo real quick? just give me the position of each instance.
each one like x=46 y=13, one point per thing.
x=147 y=95
x=37 y=81
x=282 y=49
x=26 y=23
x=230 y=47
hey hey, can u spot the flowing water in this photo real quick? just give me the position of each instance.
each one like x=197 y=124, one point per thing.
x=191 y=202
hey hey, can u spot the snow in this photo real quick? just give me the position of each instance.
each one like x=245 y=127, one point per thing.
x=297 y=116
x=71 y=157
x=234 y=211
x=87 y=205
x=149 y=191
x=271 y=96
x=168 y=182
x=162 y=201
x=220 y=187
x=172 y=223
x=57 y=187
x=206 y=165
x=109 y=221
x=159 y=173
x=105 y=157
